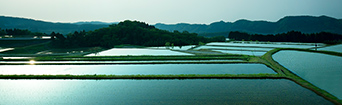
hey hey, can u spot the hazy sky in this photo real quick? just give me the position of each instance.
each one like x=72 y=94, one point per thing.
x=167 y=11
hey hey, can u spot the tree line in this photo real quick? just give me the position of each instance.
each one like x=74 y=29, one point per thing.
x=20 y=32
x=129 y=32
x=291 y=36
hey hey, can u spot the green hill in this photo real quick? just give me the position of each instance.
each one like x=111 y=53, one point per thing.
x=305 y=24
x=45 y=27
x=129 y=33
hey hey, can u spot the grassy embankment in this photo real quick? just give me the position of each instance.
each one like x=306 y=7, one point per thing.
x=31 y=49
x=21 y=43
x=268 y=60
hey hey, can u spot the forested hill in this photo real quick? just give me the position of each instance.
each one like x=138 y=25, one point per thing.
x=305 y=24
x=129 y=32
x=46 y=27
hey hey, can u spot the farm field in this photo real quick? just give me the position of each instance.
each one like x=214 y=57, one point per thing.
x=194 y=64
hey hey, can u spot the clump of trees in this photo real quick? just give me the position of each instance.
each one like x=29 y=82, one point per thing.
x=20 y=32
x=292 y=36
x=129 y=32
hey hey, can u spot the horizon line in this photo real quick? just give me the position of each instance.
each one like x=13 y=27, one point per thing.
x=113 y=22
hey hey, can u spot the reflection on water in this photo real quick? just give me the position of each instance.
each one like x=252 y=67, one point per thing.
x=16 y=57
x=273 y=45
x=32 y=62
x=254 y=53
x=324 y=71
x=128 y=92
x=111 y=62
x=136 y=51
x=252 y=48
x=335 y=48
x=175 y=47
x=234 y=48
x=5 y=49
x=137 y=69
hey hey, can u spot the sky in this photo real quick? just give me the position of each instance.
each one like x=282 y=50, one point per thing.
x=167 y=11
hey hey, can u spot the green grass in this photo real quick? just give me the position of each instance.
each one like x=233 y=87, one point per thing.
x=32 y=49
x=20 y=43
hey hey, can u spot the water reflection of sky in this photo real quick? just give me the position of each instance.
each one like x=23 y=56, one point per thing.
x=128 y=92
x=135 y=69
x=252 y=48
x=324 y=71
x=32 y=62
x=137 y=51
x=335 y=48
x=175 y=47
x=254 y=53
x=234 y=48
x=273 y=45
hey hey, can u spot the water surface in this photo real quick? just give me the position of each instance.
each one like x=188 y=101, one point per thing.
x=136 y=69
x=335 y=48
x=175 y=47
x=111 y=62
x=254 y=53
x=234 y=48
x=136 y=92
x=324 y=71
x=137 y=52
x=5 y=49
x=277 y=45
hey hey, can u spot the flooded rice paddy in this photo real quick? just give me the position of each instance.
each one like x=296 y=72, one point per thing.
x=137 y=52
x=334 y=48
x=321 y=70
x=123 y=92
x=324 y=71
x=32 y=62
x=271 y=45
x=143 y=69
x=252 y=48
x=234 y=48
x=253 y=53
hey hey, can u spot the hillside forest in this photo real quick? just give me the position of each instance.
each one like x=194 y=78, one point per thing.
x=142 y=34
x=127 y=32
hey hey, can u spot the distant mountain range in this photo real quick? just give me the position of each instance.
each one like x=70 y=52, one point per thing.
x=48 y=27
x=306 y=24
